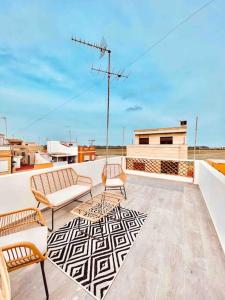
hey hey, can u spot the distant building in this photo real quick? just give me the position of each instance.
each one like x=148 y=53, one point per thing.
x=160 y=143
x=86 y=153
x=25 y=149
x=42 y=161
x=2 y=139
x=62 y=152
x=5 y=160
x=5 y=157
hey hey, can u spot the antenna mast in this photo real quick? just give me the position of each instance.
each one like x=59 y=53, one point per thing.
x=91 y=141
x=103 y=48
x=196 y=137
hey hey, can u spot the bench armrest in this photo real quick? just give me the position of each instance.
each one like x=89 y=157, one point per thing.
x=84 y=180
x=41 y=198
x=17 y=220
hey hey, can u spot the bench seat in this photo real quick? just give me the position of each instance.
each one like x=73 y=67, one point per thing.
x=63 y=196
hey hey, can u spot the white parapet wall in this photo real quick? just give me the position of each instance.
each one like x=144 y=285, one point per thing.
x=15 y=190
x=212 y=186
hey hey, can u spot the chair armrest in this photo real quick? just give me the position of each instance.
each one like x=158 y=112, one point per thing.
x=17 y=220
x=22 y=253
x=41 y=198
x=104 y=179
x=84 y=180
x=5 y=289
x=123 y=177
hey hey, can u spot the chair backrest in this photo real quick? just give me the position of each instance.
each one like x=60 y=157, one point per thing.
x=112 y=170
x=50 y=182
x=5 y=291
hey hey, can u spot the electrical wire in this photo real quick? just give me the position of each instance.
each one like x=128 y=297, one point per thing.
x=170 y=31
x=155 y=44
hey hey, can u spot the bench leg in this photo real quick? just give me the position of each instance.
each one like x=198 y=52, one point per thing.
x=51 y=229
x=100 y=225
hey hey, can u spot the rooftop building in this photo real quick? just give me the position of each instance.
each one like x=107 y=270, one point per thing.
x=167 y=143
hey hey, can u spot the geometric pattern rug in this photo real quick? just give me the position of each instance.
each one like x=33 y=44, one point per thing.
x=94 y=263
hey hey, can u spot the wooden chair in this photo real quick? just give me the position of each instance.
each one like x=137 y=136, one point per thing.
x=5 y=290
x=114 y=178
x=23 y=240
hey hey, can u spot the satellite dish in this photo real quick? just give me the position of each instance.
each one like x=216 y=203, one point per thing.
x=103 y=45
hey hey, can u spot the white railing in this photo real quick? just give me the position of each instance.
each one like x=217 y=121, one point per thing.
x=15 y=188
x=212 y=186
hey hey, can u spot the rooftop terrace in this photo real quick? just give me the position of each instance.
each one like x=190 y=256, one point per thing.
x=177 y=254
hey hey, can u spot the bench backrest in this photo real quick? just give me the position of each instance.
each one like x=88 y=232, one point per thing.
x=50 y=182
x=112 y=170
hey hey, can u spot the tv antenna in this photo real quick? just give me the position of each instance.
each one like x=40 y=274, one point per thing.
x=103 y=48
x=91 y=142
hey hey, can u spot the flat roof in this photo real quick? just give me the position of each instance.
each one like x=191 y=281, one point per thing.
x=61 y=154
x=180 y=129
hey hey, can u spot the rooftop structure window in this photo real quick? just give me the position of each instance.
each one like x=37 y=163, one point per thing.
x=166 y=140
x=143 y=141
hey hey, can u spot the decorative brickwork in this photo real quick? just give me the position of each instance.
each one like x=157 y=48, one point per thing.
x=170 y=167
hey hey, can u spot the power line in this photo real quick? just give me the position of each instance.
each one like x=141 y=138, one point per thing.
x=103 y=48
x=53 y=110
x=170 y=31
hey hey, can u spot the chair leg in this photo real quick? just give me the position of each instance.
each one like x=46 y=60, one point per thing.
x=38 y=204
x=91 y=194
x=121 y=191
x=44 y=279
x=119 y=208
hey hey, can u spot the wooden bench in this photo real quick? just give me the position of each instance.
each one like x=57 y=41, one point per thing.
x=58 y=188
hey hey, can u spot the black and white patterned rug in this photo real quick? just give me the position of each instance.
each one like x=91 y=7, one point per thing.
x=94 y=263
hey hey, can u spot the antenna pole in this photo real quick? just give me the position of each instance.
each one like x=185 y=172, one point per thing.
x=108 y=103
x=6 y=127
x=103 y=49
x=91 y=142
x=196 y=136
x=123 y=138
x=70 y=135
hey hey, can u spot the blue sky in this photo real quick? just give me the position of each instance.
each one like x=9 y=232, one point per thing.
x=47 y=87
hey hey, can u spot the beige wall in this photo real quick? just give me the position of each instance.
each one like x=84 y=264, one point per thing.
x=158 y=151
x=154 y=139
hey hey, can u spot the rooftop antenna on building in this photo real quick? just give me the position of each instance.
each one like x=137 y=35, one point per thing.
x=91 y=142
x=6 y=126
x=70 y=135
x=103 y=48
